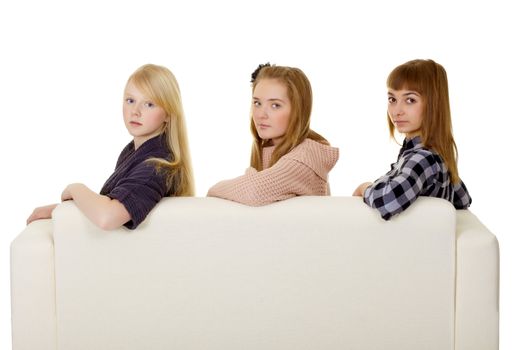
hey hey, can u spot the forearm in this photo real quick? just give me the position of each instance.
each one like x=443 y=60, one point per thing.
x=103 y=211
x=284 y=180
x=241 y=190
x=391 y=196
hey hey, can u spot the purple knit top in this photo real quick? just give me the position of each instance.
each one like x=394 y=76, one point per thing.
x=135 y=183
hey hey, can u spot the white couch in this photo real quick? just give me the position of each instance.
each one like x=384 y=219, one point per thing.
x=305 y=273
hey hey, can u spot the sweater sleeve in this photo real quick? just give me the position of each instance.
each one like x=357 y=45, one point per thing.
x=285 y=179
x=139 y=192
x=393 y=194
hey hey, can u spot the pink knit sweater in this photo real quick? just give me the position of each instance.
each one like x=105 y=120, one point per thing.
x=301 y=172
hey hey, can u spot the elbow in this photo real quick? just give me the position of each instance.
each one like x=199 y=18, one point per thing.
x=108 y=223
x=254 y=197
x=112 y=217
x=211 y=193
x=249 y=194
x=380 y=204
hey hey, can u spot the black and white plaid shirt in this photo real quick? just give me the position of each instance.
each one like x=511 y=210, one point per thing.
x=418 y=172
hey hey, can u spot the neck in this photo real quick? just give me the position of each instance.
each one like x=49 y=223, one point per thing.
x=410 y=136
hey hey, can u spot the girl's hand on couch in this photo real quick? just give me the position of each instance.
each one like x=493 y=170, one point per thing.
x=41 y=213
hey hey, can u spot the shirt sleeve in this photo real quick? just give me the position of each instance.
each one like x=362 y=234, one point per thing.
x=285 y=179
x=462 y=199
x=391 y=194
x=139 y=192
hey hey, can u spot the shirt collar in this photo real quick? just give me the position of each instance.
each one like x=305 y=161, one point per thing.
x=151 y=144
x=410 y=145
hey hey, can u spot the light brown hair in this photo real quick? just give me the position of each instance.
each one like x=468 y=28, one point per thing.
x=429 y=79
x=159 y=84
x=300 y=95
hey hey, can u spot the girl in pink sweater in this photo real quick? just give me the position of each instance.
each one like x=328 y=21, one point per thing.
x=288 y=158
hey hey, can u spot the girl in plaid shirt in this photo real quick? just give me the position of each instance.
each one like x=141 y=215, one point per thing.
x=418 y=106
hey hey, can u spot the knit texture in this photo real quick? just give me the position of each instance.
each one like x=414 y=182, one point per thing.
x=301 y=172
x=135 y=183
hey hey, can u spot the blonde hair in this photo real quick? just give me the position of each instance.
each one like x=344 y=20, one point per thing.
x=429 y=79
x=300 y=94
x=160 y=85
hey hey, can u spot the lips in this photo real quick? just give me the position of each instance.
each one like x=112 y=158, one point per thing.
x=263 y=126
x=135 y=123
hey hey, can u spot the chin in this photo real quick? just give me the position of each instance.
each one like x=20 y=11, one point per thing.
x=264 y=137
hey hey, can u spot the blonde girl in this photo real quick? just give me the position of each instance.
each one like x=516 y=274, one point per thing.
x=155 y=164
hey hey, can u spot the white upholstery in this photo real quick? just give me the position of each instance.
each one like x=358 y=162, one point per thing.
x=305 y=273
x=33 y=288
x=477 y=305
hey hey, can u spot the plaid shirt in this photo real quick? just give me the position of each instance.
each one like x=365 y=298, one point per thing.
x=418 y=172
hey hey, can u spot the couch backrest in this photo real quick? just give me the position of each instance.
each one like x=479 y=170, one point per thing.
x=305 y=273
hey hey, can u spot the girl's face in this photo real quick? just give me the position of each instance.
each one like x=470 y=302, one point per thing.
x=142 y=117
x=405 y=109
x=271 y=110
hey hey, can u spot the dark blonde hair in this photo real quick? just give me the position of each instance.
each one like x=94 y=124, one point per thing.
x=159 y=84
x=300 y=94
x=429 y=79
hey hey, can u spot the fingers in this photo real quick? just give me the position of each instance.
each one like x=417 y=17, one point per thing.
x=360 y=190
x=35 y=215
x=30 y=219
x=41 y=213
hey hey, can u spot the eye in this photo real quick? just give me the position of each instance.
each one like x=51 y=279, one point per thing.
x=391 y=99
x=276 y=105
x=149 y=104
x=256 y=103
x=411 y=100
x=129 y=100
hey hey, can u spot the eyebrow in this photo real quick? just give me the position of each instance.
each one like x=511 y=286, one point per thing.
x=270 y=99
x=407 y=93
x=130 y=95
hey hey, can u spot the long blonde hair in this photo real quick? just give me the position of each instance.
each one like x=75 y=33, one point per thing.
x=300 y=94
x=429 y=79
x=160 y=85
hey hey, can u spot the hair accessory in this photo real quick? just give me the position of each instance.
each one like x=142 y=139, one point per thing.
x=256 y=72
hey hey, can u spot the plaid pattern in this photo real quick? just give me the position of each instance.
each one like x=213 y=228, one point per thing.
x=417 y=172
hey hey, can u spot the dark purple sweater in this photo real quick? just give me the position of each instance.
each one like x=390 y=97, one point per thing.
x=135 y=183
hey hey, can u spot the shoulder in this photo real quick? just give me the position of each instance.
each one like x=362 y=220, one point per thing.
x=317 y=156
x=156 y=147
x=422 y=161
x=313 y=150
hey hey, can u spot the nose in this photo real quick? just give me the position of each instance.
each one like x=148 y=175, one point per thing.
x=260 y=113
x=135 y=110
x=397 y=109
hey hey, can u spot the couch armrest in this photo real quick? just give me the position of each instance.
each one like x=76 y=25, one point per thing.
x=33 y=288
x=477 y=288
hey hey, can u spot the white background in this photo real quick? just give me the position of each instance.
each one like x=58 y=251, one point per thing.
x=63 y=66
